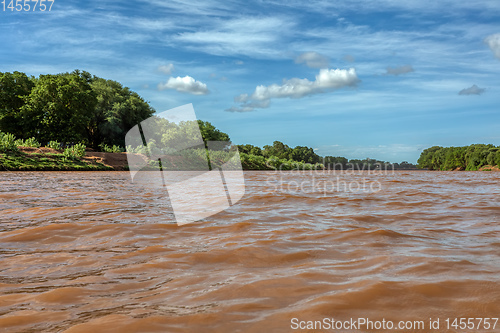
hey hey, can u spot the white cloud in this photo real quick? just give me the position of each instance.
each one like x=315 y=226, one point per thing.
x=474 y=90
x=399 y=70
x=166 y=69
x=207 y=8
x=493 y=42
x=327 y=79
x=249 y=36
x=185 y=84
x=146 y=24
x=313 y=60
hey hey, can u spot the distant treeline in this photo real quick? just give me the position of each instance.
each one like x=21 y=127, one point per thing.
x=468 y=158
x=257 y=156
x=74 y=107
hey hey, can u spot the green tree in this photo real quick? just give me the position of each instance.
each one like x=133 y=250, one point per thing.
x=184 y=135
x=470 y=157
x=497 y=157
x=476 y=156
x=250 y=150
x=210 y=133
x=454 y=159
x=117 y=110
x=278 y=149
x=14 y=87
x=427 y=159
x=58 y=108
x=303 y=154
x=335 y=163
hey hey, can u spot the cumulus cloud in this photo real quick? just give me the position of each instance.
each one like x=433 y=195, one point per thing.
x=474 y=90
x=166 y=69
x=313 y=60
x=185 y=84
x=493 y=42
x=399 y=70
x=327 y=79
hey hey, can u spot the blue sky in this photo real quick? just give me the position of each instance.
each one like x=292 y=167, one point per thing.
x=381 y=79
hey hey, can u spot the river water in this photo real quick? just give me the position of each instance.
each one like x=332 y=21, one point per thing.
x=92 y=252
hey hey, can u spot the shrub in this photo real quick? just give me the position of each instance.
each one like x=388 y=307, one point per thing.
x=69 y=154
x=31 y=142
x=74 y=152
x=7 y=142
x=54 y=145
x=114 y=149
x=79 y=149
x=151 y=148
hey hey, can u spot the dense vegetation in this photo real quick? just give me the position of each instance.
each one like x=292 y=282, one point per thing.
x=468 y=158
x=283 y=157
x=71 y=107
x=70 y=158
x=46 y=162
x=168 y=136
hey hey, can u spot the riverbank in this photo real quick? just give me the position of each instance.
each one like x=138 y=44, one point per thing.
x=489 y=168
x=48 y=159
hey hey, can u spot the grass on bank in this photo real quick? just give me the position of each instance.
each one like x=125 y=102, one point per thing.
x=20 y=161
x=12 y=158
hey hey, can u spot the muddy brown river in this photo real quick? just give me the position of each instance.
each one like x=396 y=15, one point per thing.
x=92 y=252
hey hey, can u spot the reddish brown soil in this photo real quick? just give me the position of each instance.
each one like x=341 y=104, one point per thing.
x=41 y=150
x=117 y=161
x=490 y=167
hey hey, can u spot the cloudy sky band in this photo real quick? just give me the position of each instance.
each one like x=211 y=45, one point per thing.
x=412 y=59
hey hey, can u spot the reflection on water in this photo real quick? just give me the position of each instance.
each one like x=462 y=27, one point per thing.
x=83 y=252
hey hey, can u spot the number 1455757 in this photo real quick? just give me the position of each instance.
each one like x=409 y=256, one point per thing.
x=472 y=323
x=27 y=5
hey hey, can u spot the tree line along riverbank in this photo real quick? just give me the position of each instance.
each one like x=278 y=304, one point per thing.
x=29 y=155
x=469 y=158
x=78 y=121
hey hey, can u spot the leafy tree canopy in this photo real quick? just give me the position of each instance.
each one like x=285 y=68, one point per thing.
x=58 y=108
x=470 y=157
x=14 y=87
x=69 y=107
